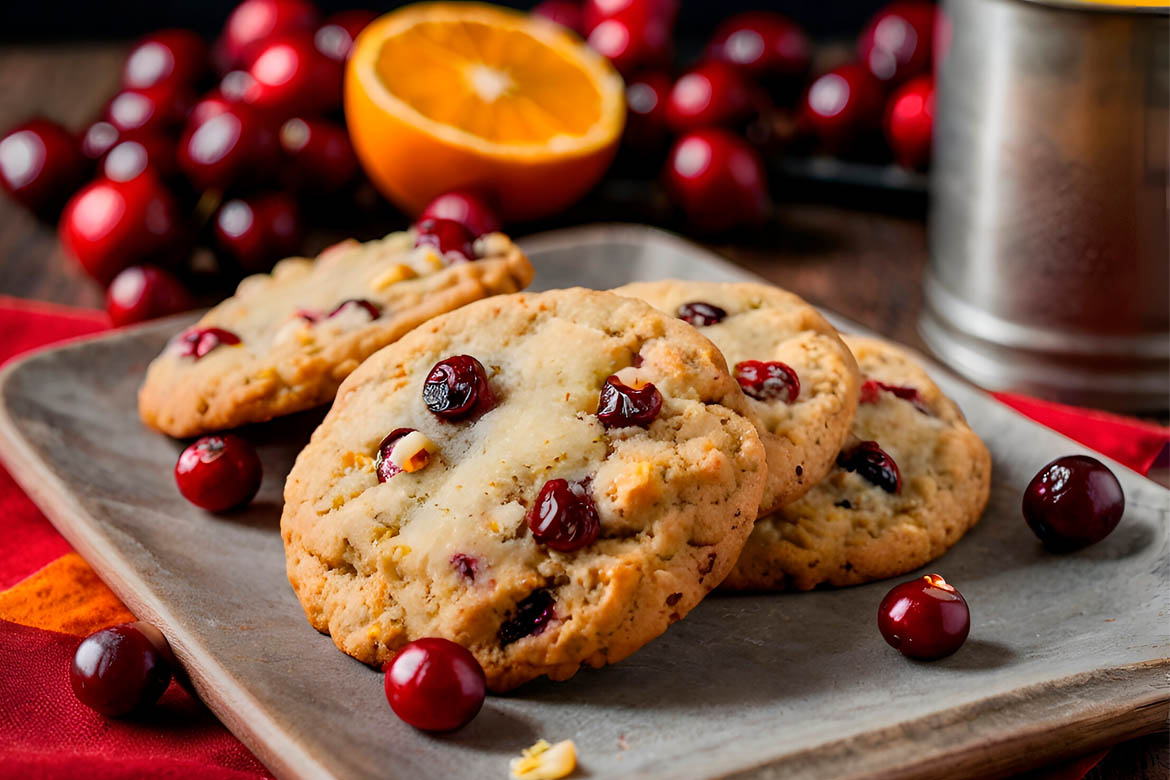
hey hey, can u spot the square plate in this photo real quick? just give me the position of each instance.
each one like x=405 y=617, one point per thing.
x=1066 y=653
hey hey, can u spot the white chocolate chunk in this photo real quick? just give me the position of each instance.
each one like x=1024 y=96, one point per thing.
x=412 y=452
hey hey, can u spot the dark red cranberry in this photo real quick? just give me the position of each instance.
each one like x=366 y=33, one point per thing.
x=646 y=96
x=41 y=164
x=924 y=618
x=255 y=21
x=897 y=42
x=98 y=139
x=762 y=45
x=532 y=617
x=161 y=107
x=566 y=13
x=767 y=381
x=871 y=388
x=435 y=685
x=457 y=388
x=712 y=93
x=211 y=104
x=621 y=406
x=564 y=517
x=873 y=464
x=233 y=146
x=122 y=669
x=322 y=157
x=172 y=57
x=843 y=106
x=449 y=238
x=383 y=466
x=630 y=43
x=292 y=77
x=466 y=565
x=718 y=180
x=259 y=230
x=1073 y=502
x=369 y=307
x=637 y=12
x=219 y=472
x=143 y=292
x=335 y=37
x=197 y=342
x=465 y=207
x=909 y=123
x=699 y=314
x=131 y=158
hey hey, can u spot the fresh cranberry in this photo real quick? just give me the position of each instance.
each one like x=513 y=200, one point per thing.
x=255 y=21
x=435 y=685
x=1073 y=502
x=143 y=292
x=843 y=106
x=130 y=158
x=564 y=517
x=291 y=77
x=621 y=406
x=197 y=342
x=896 y=44
x=110 y=225
x=718 y=180
x=924 y=618
x=646 y=96
x=448 y=237
x=259 y=230
x=767 y=381
x=383 y=466
x=712 y=93
x=161 y=107
x=700 y=314
x=564 y=12
x=594 y=12
x=211 y=104
x=873 y=464
x=174 y=57
x=321 y=154
x=219 y=472
x=762 y=45
x=909 y=122
x=532 y=617
x=465 y=207
x=369 y=307
x=122 y=669
x=335 y=37
x=871 y=389
x=98 y=139
x=41 y=163
x=633 y=34
x=457 y=388
x=466 y=565
x=231 y=147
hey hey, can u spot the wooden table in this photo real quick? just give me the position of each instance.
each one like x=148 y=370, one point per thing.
x=867 y=266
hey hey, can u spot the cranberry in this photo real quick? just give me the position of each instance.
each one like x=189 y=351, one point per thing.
x=130 y=158
x=896 y=44
x=197 y=342
x=449 y=238
x=457 y=388
x=227 y=148
x=564 y=12
x=174 y=57
x=871 y=388
x=762 y=45
x=718 y=180
x=767 y=381
x=109 y=225
x=646 y=96
x=842 y=106
x=713 y=93
x=874 y=464
x=370 y=308
x=924 y=618
x=466 y=565
x=629 y=45
x=594 y=12
x=219 y=472
x=291 y=76
x=383 y=466
x=143 y=292
x=699 y=314
x=160 y=107
x=564 y=517
x=259 y=230
x=532 y=617
x=40 y=164
x=465 y=207
x=335 y=37
x=621 y=406
x=1073 y=502
x=909 y=122
x=121 y=669
x=211 y=104
x=435 y=685
x=98 y=139
x=255 y=21
x=321 y=154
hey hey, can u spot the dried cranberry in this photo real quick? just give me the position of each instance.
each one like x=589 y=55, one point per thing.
x=767 y=381
x=466 y=565
x=563 y=516
x=197 y=342
x=532 y=616
x=874 y=464
x=383 y=466
x=621 y=406
x=457 y=387
x=372 y=309
x=699 y=314
x=1073 y=502
x=924 y=618
x=871 y=387
x=446 y=236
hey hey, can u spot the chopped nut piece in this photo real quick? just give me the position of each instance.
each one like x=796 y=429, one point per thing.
x=543 y=761
x=412 y=452
x=392 y=275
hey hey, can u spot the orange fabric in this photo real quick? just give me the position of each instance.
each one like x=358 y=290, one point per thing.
x=65 y=596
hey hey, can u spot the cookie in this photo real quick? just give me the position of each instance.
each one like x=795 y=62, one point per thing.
x=549 y=480
x=869 y=520
x=800 y=378
x=286 y=340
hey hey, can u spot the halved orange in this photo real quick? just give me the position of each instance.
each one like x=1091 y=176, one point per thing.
x=442 y=96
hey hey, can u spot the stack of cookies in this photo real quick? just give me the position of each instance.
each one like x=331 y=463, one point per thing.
x=552 y=479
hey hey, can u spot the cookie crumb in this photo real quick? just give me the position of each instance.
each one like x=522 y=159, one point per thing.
x=543 y=761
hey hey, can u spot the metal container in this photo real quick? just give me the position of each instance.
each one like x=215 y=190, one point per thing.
x=1049 y=250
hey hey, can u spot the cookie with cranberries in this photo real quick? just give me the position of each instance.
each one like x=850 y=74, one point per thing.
x=910 y=482
x=800 y=379
x=549 y=480
x=294 y=334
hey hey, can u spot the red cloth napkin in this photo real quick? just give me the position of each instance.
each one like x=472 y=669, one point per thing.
x=46 y=733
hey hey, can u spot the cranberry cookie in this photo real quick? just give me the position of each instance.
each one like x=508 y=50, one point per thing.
x=799 y=377
x=911 y=482
x=549 y=480
x=285 y=340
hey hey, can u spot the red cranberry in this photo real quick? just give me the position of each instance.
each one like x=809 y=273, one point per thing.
x=335 y=37
x=767 y=381
x=369 y=307
x=291 y=76
x=843 y=106
x=160 y=107
x=174 y=57
x=230 y=147
x=143 y=292
x=197 y=342
x=925 y=618
x=871 y=388
x=1073 y=502
x=40 y=164
x=466 y=565
x=447 y=237
x=383 y=466
x=532 y=617
x=621 y=406
x=121 y=669
x=718 y=180
x=873 y=464
x=259 y=230
x=699 y=314
x=564 y=12
x=713 y=93
x=457 y=388
x=465 y=207
x=564 y=517
x=909 y=122
x=255 y=21
x=219 y=472
x=98 y=139
x=646 y=96
x=762 y=45
x=594 y=12
x=435 y=685
x=211 y=104
x=322 y=157
x=896 y=44
x=109 y=225
x=630 y=46
x=131 y=158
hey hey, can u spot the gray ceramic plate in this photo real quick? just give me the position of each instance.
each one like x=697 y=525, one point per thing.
x=1066 y=653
